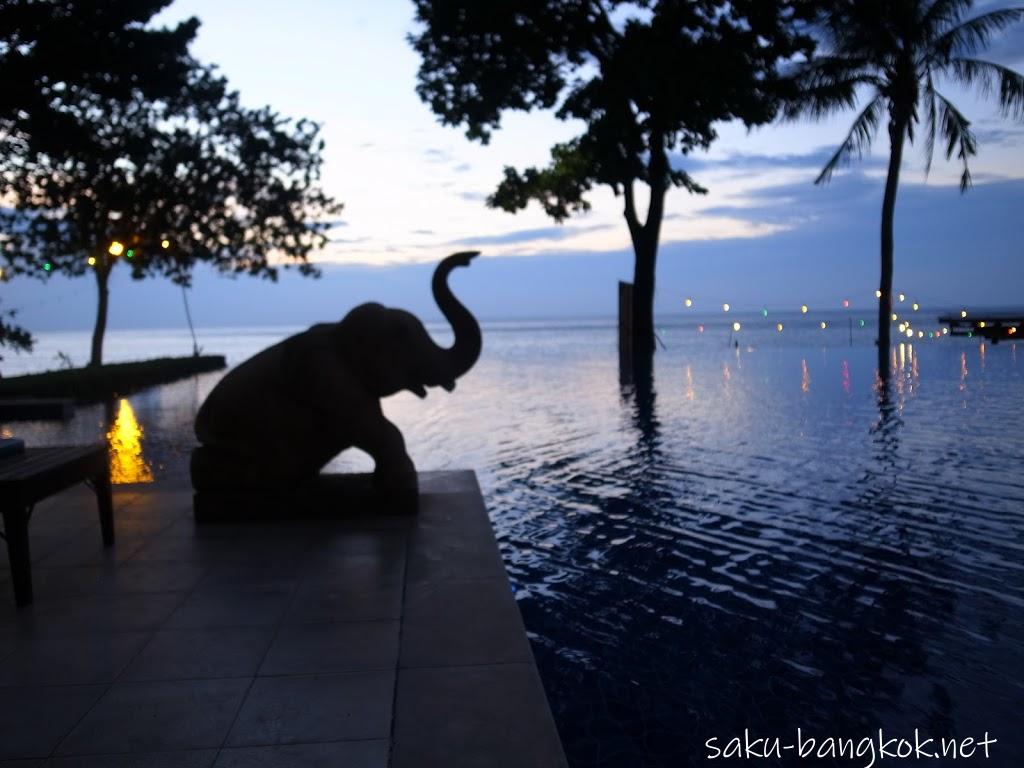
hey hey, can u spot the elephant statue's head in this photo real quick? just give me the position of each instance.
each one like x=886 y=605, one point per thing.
x=392 y=350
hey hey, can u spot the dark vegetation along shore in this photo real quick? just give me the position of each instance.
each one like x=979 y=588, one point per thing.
x=97 y=383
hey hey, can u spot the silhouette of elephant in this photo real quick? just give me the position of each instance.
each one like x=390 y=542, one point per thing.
x=274 y=421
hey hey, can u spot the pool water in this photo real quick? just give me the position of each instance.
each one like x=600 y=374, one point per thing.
x=762 y=538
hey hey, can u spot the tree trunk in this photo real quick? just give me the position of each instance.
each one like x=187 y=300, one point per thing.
x=645 y=249
x=897 y=131
x=100 y=328
x=645 y=254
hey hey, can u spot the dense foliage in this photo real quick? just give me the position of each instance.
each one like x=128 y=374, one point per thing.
x=153 y=162
x=647 y=79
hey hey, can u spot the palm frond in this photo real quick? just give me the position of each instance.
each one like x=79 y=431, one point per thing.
x=930 y=122
x=992 y=78
x=861 y=134
x=972 y=34
x=943 y=13
x=825 y=85
x=956 y=130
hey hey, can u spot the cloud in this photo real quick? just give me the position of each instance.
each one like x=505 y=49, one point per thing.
x=815 y=159
x=462 y=168
x=1004 y=135
x=473 y=197
x=529 y=235
x=434 y=155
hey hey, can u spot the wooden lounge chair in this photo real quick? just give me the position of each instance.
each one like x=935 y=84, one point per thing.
x=29 y=477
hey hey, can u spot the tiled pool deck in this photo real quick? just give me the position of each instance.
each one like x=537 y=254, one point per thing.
x=361 y=641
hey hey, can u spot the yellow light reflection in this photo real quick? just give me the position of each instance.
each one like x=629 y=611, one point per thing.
x=127 y=464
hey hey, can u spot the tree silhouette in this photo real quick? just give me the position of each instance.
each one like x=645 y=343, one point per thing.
x=52 y=51
x=13 y=335
x=647 y=79
x=898 y=50
x=161 y=184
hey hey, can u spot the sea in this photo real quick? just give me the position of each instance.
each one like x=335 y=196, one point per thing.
x=763 y=543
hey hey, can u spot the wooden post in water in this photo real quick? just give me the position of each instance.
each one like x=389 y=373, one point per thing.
x=625 y=332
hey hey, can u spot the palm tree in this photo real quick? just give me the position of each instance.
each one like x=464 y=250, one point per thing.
x=895 y=51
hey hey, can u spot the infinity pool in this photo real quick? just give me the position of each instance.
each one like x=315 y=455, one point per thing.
x=765 y=540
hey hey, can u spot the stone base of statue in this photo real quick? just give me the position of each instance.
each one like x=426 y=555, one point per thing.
x=228 y=490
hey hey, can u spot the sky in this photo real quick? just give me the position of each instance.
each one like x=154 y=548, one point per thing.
x=413 y=191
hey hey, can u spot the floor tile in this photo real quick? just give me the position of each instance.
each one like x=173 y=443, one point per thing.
x=34 y=720
x=449 y=481
x=295 y=710
x=453 y=551
x=194 y=758
x=71 y=659
x=233 y=576
x=130 y=577
x=201 y=653
x=328 y=602
x=340 y=542
x=459 y=623
x=341 y=754
x=255 y=608
x=91 y=614
x=86 y=548
x=347 y=647
x=488 y=716
x=158 y=716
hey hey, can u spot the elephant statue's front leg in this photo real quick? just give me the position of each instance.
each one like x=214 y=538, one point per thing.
x=394 y=475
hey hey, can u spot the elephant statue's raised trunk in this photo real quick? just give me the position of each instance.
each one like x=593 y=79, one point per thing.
x=460 y=357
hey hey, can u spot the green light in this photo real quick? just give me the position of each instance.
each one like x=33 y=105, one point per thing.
x=764 y=312
x=129 y=253
x=47 y=266
x=860 y=323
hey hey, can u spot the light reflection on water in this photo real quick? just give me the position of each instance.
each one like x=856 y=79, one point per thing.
x=127 y=462
x=761 y=537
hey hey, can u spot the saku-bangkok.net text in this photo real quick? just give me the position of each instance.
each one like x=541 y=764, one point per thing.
x=866 y=751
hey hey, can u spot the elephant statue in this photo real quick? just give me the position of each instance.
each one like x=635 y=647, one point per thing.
x=273 y=422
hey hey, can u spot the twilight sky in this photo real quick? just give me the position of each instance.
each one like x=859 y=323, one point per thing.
x=413 y=192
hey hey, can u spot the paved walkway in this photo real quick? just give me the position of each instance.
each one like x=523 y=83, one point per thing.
x=366 y=641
